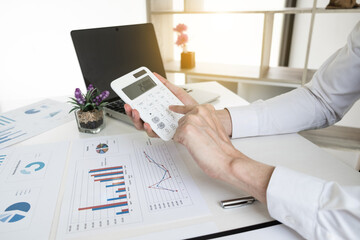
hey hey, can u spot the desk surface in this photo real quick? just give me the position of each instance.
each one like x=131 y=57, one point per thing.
x=290 y=150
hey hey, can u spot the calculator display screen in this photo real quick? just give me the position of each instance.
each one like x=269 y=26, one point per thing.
x=139 y=87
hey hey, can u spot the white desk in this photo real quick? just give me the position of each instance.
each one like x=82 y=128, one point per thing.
x=290 y=150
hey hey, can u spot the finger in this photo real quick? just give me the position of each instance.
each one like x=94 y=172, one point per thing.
x=149 y=130
x=138 y=123
x=168 y=84
x=128 y=110
x=179 y=92
x=182 y=109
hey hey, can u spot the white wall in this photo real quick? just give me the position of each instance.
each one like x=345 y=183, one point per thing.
x=37 y=57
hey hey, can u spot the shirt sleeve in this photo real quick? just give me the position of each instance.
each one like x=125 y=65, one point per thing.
x=316 y=209
x=333 y=90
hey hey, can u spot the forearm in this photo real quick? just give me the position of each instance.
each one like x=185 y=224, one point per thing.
x=322 y=102
x=249 y=175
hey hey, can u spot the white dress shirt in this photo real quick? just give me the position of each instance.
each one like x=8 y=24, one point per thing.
x=316 y=209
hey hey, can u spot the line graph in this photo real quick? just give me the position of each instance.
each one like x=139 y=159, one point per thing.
x=165 y=177
x=162 y=182
x=139 y=181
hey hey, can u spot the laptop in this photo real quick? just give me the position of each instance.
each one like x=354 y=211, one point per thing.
x=105 y=54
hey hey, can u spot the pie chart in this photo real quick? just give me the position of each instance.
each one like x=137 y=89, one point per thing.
x=15 y=212
x=102 y=148
x=32 y=111
x=38 y=166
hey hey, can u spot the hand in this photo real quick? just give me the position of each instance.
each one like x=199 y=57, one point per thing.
x=180 y=93
x=202 y=132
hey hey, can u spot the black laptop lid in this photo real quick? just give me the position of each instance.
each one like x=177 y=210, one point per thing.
x=106 y=54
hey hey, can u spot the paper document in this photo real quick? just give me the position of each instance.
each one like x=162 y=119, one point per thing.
x=180 y=233
x=23 y=123
x=30 y=178
x=126 y=181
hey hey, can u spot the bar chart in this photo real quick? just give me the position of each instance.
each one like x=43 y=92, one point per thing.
x=104 y=197
x=5 y=121
x=136 y=181
x=117 y=184
x=10 y=133
x=28 y=121
x=2 y=160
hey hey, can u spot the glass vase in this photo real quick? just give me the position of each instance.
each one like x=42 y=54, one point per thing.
x=91 y=121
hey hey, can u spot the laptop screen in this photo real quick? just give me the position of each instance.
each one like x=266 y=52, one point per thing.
x=106 y=54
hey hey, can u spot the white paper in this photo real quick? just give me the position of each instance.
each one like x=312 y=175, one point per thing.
x=125 y=181
x=26 y=122
x=181 y=233
x=30 y=178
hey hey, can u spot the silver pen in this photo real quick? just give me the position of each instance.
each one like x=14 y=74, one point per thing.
x=237 y=202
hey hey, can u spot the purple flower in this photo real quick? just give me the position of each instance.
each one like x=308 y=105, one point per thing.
x=90 y=87
x=92 y=99
x=79 y=96
x=105 y=95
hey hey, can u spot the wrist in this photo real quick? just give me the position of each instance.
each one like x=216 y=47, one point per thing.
x=225 y=119
x=251 y=176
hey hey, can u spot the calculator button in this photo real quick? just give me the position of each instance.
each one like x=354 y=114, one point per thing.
x=173 y=126
x=161 y=125
x=155 y=119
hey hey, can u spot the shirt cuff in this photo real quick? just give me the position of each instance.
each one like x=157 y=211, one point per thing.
x=293 y=199
x=244 y=121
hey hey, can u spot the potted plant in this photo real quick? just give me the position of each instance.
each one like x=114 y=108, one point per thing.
x=88 y=109
x=187 y=58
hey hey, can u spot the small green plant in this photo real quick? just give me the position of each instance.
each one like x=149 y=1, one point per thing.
x=92 y=100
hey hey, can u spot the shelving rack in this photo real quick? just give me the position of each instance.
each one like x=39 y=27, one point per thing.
x=161 y=17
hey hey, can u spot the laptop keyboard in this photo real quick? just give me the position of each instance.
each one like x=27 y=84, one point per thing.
x=117 y=106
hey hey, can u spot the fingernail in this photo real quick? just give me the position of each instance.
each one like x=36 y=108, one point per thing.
x=145 y=127
x=133 y=114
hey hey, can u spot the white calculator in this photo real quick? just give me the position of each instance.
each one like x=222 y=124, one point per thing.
x=143 y=91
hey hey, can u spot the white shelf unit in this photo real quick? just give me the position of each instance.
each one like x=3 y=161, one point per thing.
x=262 y=74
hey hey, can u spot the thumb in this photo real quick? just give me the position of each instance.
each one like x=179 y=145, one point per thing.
x=181 y=109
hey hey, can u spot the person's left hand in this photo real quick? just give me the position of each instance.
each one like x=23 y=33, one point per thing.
x=179 y=92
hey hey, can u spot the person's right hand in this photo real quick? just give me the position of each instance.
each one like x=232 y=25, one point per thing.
x=179 y=92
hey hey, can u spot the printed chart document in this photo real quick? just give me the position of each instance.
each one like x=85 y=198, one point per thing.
x=126 y=181
x=30 y=178
x=23 y=123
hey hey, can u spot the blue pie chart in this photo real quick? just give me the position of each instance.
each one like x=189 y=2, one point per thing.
x=38 y=166
x=15 y=212
x=32 y=111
